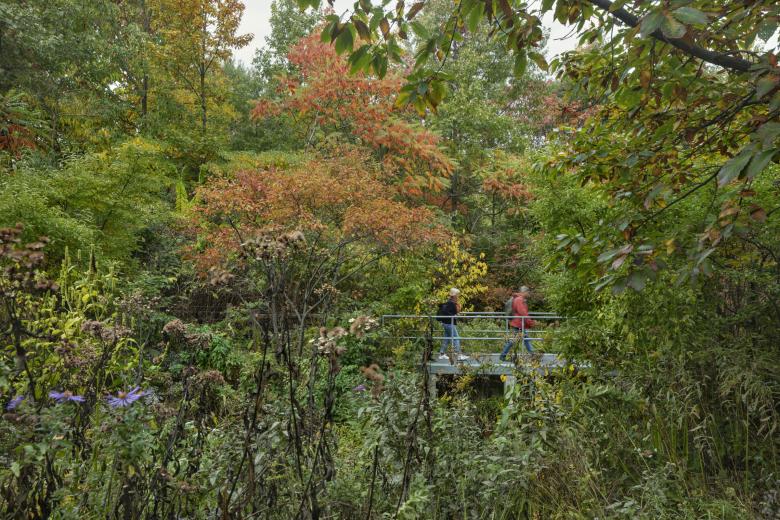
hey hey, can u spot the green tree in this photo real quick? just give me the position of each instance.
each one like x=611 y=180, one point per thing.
x=101 y=199
x=687 y=99
x=487 y=108
x=67 y=69
x=288 y=25
x=193 y=57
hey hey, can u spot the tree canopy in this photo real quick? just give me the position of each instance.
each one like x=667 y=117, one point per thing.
x=219 y=280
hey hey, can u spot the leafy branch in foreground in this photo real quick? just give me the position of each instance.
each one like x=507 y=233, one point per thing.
x=681 y=88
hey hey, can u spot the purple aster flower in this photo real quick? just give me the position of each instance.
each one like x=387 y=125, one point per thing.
x=64 y=397
x=359 y=388
x=13 y=403
x=125 y=398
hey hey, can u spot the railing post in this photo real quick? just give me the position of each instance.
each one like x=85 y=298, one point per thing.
x=521 y=340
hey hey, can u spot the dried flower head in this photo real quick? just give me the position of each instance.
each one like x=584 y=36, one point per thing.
x=361 y=325
x=105 y=332
x=218 y=276
x=175 y=329
x=328 y=339
x=371 y=372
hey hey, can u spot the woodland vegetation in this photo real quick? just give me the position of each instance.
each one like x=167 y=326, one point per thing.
x=194 y=256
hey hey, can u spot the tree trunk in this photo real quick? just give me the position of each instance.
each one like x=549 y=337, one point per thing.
x=203 y=98
x=144 y=96
x=146 y=21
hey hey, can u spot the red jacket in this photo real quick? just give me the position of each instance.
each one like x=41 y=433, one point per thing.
x=520 y=308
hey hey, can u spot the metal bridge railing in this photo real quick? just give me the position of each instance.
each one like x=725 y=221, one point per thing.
x=501 y=319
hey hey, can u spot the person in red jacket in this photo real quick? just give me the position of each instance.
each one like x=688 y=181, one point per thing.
x=521 y=322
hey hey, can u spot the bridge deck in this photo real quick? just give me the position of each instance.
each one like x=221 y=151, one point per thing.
x=490 y=365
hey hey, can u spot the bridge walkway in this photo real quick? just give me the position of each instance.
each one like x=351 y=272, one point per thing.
x=489 y=329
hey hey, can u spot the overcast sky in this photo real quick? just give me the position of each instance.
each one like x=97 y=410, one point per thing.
x=258 y=13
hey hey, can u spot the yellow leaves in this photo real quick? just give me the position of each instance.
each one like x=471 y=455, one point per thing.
x=460 y=269
x=463 y=382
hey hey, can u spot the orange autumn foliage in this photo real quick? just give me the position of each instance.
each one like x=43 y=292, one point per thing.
x=331 y=200
x=324 y=95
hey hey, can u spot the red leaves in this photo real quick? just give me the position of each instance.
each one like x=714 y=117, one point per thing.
x=506 y=189
x=335 y=198
x=324 y=94
x=14 y=138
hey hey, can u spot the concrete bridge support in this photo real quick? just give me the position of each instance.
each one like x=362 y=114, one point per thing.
x=509 y=383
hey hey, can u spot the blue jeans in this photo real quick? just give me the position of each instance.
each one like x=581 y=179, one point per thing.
x=451 y=336
x=509 y=343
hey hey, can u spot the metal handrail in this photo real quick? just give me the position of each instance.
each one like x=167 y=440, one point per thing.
x=475 y=316
x=550 y=316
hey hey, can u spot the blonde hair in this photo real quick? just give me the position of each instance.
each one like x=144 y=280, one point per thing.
x=454 y=291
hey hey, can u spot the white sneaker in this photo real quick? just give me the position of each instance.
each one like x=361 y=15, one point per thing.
x=443 y=357
x=463 y=357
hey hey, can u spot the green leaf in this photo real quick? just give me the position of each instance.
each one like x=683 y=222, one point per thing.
x=376 y=18
x=359 y=59
x=327 y=32
x=691 y=15
x=344 y=41
x=764 y=85
x=703 y=256
x=671 y=28
x=473 y=17
x=617 y=5
x=15 y=469
x=607 y=256
x=733 y=167
x=768 y=132
x=619 y=286
x=651 y=23
x=547 y=5
x=379 y=64
x=521 y=62
x=759 y=162
x=539 y=60
x=636 y=281
x=437 y=91
x=420 y=30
